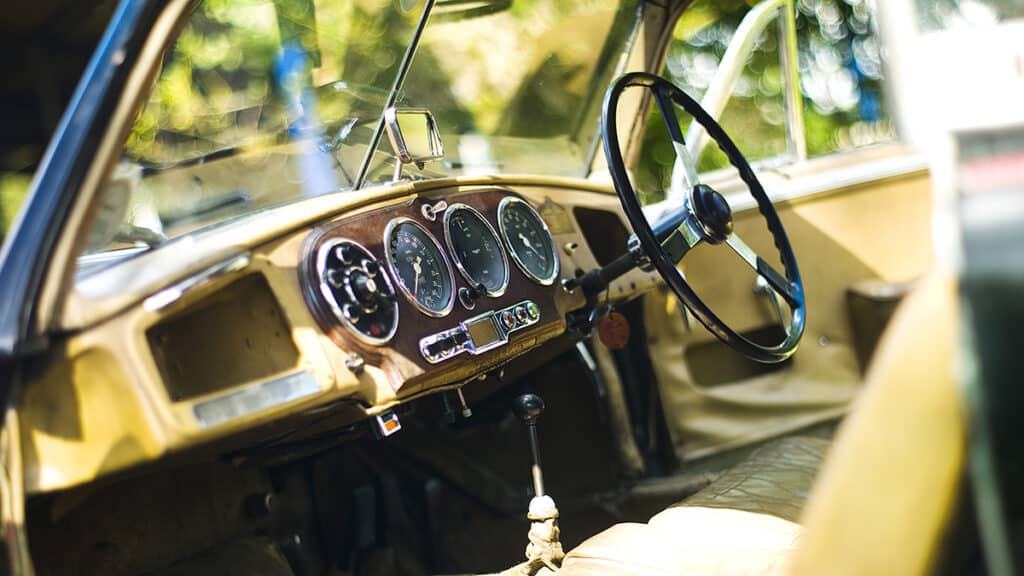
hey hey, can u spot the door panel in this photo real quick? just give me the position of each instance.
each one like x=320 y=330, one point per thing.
x=878 y=231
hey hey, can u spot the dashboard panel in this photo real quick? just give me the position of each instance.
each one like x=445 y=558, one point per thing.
x=234 y=335
x=457 y=311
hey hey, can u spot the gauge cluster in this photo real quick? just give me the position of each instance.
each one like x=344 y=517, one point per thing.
x=433 y=281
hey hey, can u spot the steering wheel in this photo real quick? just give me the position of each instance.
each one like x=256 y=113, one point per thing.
x=705 y=216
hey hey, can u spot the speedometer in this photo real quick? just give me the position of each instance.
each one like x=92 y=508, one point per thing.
x=476 y=249
x=528 y=239
x=421 y=268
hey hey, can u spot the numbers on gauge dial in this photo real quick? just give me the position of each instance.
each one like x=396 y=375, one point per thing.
x=476 y=249
x=420 y=268
x=529 y=241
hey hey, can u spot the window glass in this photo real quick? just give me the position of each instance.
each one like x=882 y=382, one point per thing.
x=840 y=81
x=263 y=102
x=518 y=90
x=217 y=91
x=934 y=15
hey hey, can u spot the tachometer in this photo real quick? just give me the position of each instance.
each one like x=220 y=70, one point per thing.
x=421 y=268
x=476 y=249
x=528 y=239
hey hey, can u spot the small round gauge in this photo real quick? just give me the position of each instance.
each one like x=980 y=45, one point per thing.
x=529 y=241
x=419 y=265
x=476 y=249
x=355 y=291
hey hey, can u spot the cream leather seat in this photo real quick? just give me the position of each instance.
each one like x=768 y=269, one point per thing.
x=742 y=523
x=688 y=540
x=880 y=504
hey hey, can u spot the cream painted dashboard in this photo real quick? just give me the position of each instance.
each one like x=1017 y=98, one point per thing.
x=212 y=341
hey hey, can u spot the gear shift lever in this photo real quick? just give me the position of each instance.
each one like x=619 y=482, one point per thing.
x=528 y=408
x=545 y=548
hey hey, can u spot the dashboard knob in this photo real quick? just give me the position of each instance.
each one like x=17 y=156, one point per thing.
x=334 y=277
x=521 y=314
x=364 y=288
x=346 y=253
x=372 y=268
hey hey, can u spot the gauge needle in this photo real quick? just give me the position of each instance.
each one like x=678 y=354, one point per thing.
x=526 y=242
x=416 y=283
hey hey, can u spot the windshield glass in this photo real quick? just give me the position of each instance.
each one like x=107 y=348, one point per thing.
x=261 y=102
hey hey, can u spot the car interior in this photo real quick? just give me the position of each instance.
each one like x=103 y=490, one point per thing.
x=378 y=287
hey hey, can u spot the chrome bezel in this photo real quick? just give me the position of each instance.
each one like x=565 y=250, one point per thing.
x=546 y=281
x=328 y=296
x=390 y=258
x=455 y=257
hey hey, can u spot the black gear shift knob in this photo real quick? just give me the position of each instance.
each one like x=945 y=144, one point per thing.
x=528 y=408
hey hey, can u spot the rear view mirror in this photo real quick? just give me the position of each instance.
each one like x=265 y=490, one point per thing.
x=414 y=135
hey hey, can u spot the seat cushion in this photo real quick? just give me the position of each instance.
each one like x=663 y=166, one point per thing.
x=775 y=480
x=742 y=524
x=684 y=541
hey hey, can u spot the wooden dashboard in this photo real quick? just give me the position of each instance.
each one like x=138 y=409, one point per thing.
x=237 y=352
x=401 y=357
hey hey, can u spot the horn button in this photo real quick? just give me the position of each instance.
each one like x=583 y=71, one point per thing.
x=713 y=213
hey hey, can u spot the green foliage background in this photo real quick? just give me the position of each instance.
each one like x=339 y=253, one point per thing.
x=841 y=82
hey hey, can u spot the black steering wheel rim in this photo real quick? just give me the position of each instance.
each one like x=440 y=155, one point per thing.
x=666 y=93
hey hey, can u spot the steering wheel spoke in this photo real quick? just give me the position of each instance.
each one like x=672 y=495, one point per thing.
x=675 y=132
x=775 y=280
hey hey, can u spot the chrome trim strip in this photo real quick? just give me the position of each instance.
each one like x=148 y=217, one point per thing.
x=89 y=263
x=173 y=293
x=392 y=225
x=255 y=398
x=505 y=203
x=796 y=135
x=455 y=257
x=502 y=331
x=328 y=295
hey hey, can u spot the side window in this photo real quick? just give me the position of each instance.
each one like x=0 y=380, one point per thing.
x=840 y=83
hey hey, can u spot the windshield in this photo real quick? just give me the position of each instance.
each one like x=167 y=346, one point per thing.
x=261 y=102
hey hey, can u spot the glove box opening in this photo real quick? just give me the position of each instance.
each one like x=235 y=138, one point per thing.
x=237 y=335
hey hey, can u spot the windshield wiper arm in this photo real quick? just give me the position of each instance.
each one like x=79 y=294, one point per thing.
x=204 y=207
x=396 y=86
x=149 y=168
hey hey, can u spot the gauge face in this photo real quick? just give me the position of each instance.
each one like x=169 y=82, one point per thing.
x=476 y=249
x=528 y=240
x=356 y=291
x=419 y=266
